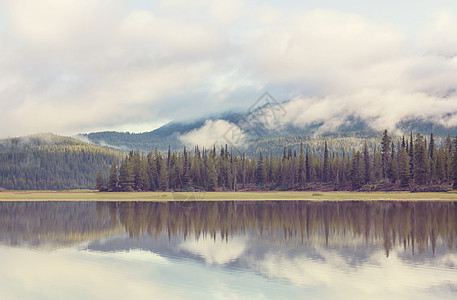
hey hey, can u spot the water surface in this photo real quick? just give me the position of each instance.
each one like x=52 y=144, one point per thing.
x=228 y=250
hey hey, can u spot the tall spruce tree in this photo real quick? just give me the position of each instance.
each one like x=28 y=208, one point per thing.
x=100 y=181
x=126 y=177
x=307 y=166
x=420 y=160
x=366 y=163
x=113 y=181
x=454 y=165
x=259 y=173
x=404 y=172
x=163 y=183
x=385 y=153
x=356 y=172
x=325 y=167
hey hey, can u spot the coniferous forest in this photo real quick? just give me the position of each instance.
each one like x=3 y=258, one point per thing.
x=414 y=163
x=50 y=162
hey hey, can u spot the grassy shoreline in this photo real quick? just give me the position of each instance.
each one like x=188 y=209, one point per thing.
x=223 y=196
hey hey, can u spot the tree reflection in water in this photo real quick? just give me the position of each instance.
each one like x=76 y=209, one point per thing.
x=415 y=225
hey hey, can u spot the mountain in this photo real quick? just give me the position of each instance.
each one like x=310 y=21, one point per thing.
x=348 y=127
x=160 y=138
x=52 y=162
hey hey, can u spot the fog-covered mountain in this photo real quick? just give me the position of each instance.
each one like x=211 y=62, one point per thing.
x=267 y=122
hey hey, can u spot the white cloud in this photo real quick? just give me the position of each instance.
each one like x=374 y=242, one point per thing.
x=73 y=66
x=217 y=132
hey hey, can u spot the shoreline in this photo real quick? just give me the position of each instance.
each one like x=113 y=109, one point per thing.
x=223 y=196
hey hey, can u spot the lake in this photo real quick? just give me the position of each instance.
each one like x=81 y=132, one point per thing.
x=228 y=250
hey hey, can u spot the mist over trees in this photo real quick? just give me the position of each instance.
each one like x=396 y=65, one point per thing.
x=395 y=164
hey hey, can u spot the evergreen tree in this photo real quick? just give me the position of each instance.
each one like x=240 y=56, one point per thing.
x=301 y=169
x=112 y=182
x=307 y=166
x=163 y=183
x=100 y=181
x=212 y=175
x=454 y=165
x=366 y=163
x=356 y=173
x=385 y=153
x=420 y=160
x=448 y=159
x=325 y=168
x=392 y=172
x=411 y=152
x=259 y=173
x=126 y=178
x=404 y=172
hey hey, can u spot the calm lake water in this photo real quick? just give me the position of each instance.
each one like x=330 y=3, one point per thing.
x=228 y=250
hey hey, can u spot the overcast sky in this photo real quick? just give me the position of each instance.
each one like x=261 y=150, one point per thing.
x=71 y=66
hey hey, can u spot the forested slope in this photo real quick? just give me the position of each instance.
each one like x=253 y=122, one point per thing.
x=51 y=162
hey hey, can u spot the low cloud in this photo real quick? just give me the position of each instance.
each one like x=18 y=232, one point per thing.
x=79 y=66
x=218 y=132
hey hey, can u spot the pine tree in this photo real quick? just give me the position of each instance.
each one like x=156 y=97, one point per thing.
x=404 y=172
x=356 y=172
x=325 y=168
x=385 y=153
x=212 y=175
x=100 y=181
x=411 y=153
x=366 y=163
x=454 y=165
x=432 y=159
x=259 y=173
x=392 y=165
x=448 y=159
x=163 y=183
x=307 y=166
x=126 y=178
x=420 y=160
x=152 y=171
x=113 y=182
x=301 y=169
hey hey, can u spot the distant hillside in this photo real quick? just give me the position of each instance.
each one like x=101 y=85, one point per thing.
x=169 y=134
x=51 y=162
x=160 y=138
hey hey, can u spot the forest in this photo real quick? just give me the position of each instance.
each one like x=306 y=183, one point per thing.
x=412 y=163
x=50 y=162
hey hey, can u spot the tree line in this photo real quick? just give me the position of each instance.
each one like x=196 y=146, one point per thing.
x=407 y=163
x=53 y=166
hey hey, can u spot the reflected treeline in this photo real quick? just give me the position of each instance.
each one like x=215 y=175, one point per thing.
x=414 y=225
x=52 y=223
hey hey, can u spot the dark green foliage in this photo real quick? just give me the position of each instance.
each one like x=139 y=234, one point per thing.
x=366 y=164
x=385 y=153
x=356 y=173
x=325 y=166
x=126 y=177
x=163 y=182
x=113 y=180
x=100 y=181
x=259 y=172
x=454 y=165
x=420 y=160
x=67 y=163
x=225 y=170
x=50 y=162
x=403 y=168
